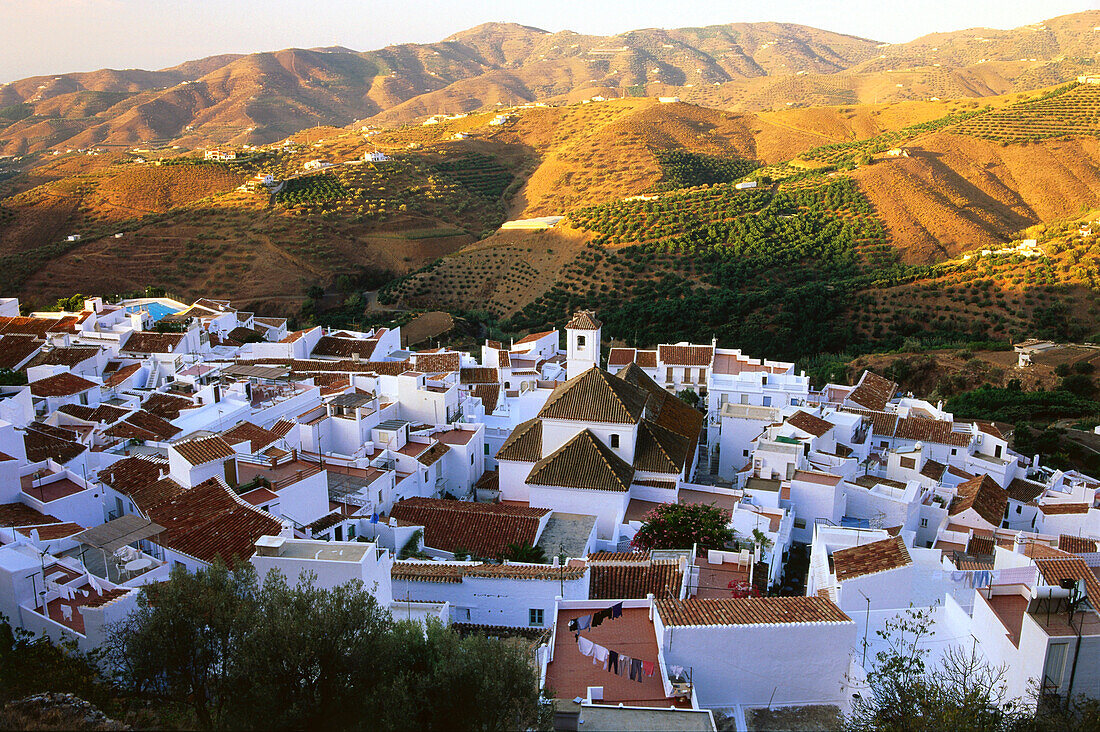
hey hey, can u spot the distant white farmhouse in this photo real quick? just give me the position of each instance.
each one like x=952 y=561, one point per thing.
x=218 y=154
x=537 y=224
x=375 y=157
x=745 y=184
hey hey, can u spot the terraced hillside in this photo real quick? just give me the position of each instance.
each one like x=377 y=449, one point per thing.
x=1071 y=110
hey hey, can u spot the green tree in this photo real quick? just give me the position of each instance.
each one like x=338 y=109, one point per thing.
x=963 y=692
x=517 y=552
x=680 y=526
x=446 y=682
x=185 y=641
x=689 y=396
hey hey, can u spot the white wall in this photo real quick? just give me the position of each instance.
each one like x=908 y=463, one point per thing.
x=608 y=507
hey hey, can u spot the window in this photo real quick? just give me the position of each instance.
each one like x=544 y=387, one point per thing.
x=534 y=616
x=351 y=532
x=767 y=401
x=486 y=448
x=471 y=458
x=884 y=444
x=800 y=523
x=84 y=397
x=1055 y=665
x=909 y=463
x=1019 y=509
x=954 y=451
x=580 y=344
x=744 y=453
x=507 y=384
x=614 y=440
x=924 y=523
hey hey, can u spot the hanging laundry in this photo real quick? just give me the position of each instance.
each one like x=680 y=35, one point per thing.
x=636 y=670
x=584 y=622
x=624 y=664
x=676 y=670
x=600 y=616
x=613 y=662
x=649 y=668
x=586 y=646
x=600 y=655
x=617 y=610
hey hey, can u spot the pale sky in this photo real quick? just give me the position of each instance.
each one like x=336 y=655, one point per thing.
x=41 y=37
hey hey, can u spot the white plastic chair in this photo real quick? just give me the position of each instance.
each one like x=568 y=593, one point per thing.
x=67 y=612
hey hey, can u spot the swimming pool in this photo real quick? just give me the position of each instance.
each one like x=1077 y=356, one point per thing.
x=156 y=309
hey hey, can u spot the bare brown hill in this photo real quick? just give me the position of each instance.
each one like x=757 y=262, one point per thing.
x=956 y=193
x=264 y=97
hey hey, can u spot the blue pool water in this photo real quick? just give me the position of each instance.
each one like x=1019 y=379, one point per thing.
x=156 y=310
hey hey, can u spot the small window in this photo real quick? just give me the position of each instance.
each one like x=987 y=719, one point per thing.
x=614 y=440
x=954 y=451
x=909 y=463
x=471 y=458
x=580 y=344
x=507 y=384
x=534 y=616
x=884 y=444
x=800 y=523
x=1019 y=509
x=924 y=523
x=486 y=448
x=744 y=453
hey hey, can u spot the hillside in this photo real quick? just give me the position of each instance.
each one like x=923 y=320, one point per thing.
x=264 y=97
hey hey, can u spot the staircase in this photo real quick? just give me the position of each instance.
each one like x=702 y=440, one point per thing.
x=154 y=375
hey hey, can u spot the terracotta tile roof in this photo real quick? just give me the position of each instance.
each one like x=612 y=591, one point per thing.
x=450 y=573
x=1076 y=544
x=151 y=342
x=144 y=425
x=482 y=529
x=270 y=322
x=1057 y=509
x=933 y=470
x=584 y=463
x=990 y=428
x=659 y=450
x=208 y=522
x=646 y=359
x=620 y=357
x=326 y=522
x=59 y=531
x=282 y=428
x=813 y=476
x=809 y=423
x=1024 y=491
x=433 y=454
x=167 y=406
x=980 y=546
x=635 y=581
x=345 y=347
x=524 y=444
x=16 y=349
x=983 y=495
x=42 y=441
x=295 y=335
x=584 y=320
x=38 y=327
x=872 y=391
x=139 y=478
x=204 y=450
x=750 y=611
x=19 y=514
x=63 y=384
x=103 y=413
x=435 y=363
x=930 y=430
x=257 y=437
x=534 y=337
x=1038 y=550
x=685 y=355
x=1056 y=570
x=307 y=367
x=883 y=424
x=241 y=334
x=597 y=557
x=67 y=356
x=479 y=375
x=664 y=408
x=878 y=556
x=489 y=394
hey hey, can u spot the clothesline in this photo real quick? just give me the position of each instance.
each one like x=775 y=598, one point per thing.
x=593 y=620
x=615 y=662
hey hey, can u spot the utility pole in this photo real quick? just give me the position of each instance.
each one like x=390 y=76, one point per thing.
x=866 y=625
